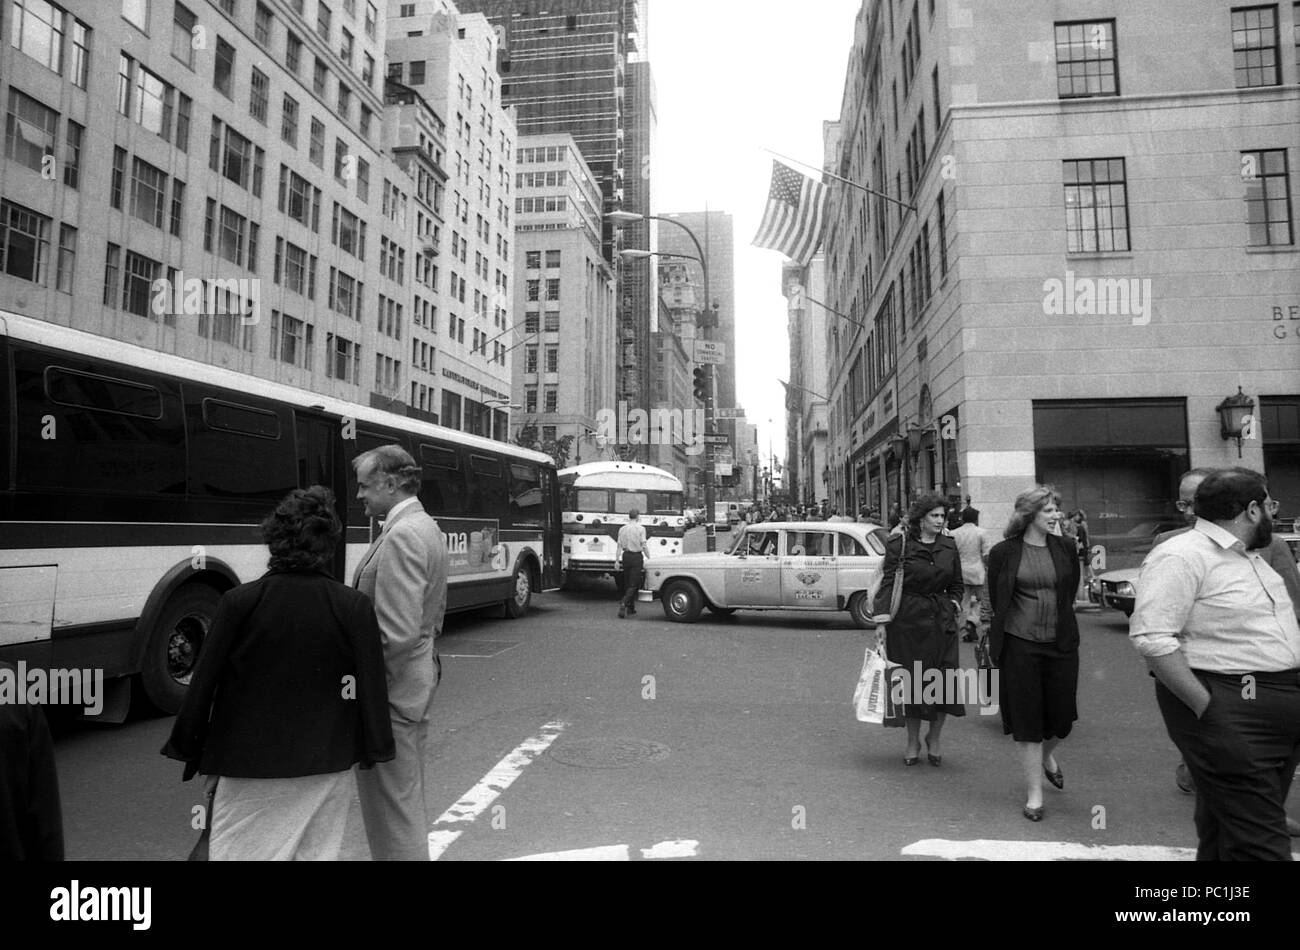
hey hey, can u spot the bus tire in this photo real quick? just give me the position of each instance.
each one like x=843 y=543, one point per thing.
x=174 y=645
x=682 y=601
x=522 y=587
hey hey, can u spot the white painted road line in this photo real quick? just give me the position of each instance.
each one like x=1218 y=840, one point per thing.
x=620 y=852
x=476 y=801
x=985 y=850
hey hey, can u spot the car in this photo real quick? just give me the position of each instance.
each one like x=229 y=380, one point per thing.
x=1118 y=588
x=726 y=514
x=809 y=565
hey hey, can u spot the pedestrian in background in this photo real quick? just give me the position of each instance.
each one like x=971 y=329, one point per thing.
x=31 y=821
x=923 y=635
x=1034 y=638
x=973 y=546
x=633 y=549
x=404 y=573
x=1219 y=631
x=288 y=695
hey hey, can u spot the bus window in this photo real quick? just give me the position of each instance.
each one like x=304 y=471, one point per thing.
x=526 y=495
x=82 y=431
x=663 y=503
x=443 y=493
x=236 y=450
x=489 y=497
x=594 y=500
x=625 y=501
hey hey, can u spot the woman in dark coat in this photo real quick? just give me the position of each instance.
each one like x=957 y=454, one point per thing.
x=923 y=635
x=289 y=693
x=1034 y=637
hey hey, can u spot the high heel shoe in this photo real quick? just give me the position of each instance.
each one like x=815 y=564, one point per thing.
x=1057 y=778
x=935 y=760
x=910 y=760
x=1033 y=814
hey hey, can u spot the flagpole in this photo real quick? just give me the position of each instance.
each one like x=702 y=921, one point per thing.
x=870 y=191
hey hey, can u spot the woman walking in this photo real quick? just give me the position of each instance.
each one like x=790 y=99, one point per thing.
x=923 y=634
x=289 y=693
x=1034 y=638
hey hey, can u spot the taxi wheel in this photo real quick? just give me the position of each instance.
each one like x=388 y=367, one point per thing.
x=682 y=602
x=860 y=610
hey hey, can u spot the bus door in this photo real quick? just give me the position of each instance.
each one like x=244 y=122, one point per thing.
x=320 y=462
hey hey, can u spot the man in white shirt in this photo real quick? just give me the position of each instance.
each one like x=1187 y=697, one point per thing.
x=973 y=546
x=633 y=548
x=1219 y=631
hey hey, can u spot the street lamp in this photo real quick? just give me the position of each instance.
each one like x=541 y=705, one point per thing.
x=1233 y=415
x=706 y=328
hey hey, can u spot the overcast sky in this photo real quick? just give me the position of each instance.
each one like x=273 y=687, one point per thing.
x=735 y=77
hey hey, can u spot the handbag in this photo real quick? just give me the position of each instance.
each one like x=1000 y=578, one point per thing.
x=200 y=849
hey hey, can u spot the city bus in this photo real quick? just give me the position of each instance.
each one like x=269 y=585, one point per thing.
x=596 y=500
x=133 y=483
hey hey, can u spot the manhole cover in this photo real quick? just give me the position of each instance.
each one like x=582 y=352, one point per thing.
x=609 y=753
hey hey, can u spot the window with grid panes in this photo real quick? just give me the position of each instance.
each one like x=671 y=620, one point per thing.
x=1096 y=205
x=1268 y=198
x=1086 y=59
x=1255 y=46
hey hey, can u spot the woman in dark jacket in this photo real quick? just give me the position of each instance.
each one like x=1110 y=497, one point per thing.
x=289 y=693
x=923 y=635
x=1034 y=638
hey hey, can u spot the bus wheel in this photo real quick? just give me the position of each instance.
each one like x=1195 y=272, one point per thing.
x=517 y=604
x=174 y=645
x=682 y=601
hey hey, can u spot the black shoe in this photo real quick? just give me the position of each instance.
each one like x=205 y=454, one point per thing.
x=1033 y=814
x=935 y=760
x=622 y=613
x=1057 y=778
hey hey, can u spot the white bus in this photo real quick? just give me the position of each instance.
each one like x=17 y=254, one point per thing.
x=596 y=499
x=132 y=484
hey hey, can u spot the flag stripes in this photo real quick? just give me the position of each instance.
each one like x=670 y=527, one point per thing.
x=795 y=215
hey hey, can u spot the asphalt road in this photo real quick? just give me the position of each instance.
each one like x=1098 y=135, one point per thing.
x=728 y=739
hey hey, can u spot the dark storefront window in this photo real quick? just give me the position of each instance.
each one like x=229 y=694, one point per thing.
x=1120 y=461
x=1279 y=418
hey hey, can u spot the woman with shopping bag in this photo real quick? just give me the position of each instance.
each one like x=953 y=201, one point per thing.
x=922 y=629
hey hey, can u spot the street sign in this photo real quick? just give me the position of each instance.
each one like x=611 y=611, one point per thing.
x=717 y=438
x=708 y=353
x=723 y=469
x=728 y=413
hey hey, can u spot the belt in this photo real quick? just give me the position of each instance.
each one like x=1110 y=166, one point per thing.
x=1274 y=678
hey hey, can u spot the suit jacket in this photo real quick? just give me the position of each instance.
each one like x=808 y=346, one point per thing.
x=405 y=573
x=1004 y=564
x=270 y=696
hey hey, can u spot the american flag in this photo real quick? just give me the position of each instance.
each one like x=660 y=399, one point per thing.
x=795 y=216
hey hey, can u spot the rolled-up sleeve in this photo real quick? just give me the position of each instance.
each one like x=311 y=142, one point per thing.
x=1166 y=591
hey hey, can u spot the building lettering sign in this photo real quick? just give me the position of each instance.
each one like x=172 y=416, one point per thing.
x=471 y=384
x=1286 y=322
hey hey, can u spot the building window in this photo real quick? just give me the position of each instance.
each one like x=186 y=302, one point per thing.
x=372 y=14
x=319 y=74
x=316 y=150
x=943 y=239
x=532 y=323
x=552 y=359
x=119 y=177
x=289 y=120
x=323 y=20
x=530 y=359
x=345 y=47
x=137 y=289
x=342 y=359
x=533 y=260
x=31 y=130
x=183 y=23
x=291 y=340
x=552 y=259
x=183 y=122
x=340 y=161
x=262 y=26
x=530 y=400
x=366 y=117
x=553 y=289
x=416 y=73
x=24 y=242
x=67 y=258
x=177 y=208
x=551 y=399
x=1254 y=46
x=534 y=290
x=148 y=187
x=111 y=267
x=136 y=12
x=296 y=268
x=552 y=321
x=1086 y=63
x=292 y=52
x=345 y=102
x=368 y=69
x=1268 y=197
x=72 y=154
x=223 y=74
x=233 y=229
x=1096 y=205
x=259 y=93
x=38 y=29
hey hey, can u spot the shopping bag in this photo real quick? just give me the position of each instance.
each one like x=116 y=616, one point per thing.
x=872 y=699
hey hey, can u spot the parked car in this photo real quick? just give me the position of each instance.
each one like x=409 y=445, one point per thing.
x=1118 y=588
x=726 y=514
x=775 y=566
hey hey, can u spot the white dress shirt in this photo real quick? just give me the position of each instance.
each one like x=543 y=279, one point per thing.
x=1223 y=606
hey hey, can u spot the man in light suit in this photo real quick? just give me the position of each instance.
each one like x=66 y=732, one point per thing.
x=405 y=574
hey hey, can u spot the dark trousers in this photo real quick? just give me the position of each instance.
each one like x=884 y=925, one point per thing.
x=1242 y=754
x=634 y=577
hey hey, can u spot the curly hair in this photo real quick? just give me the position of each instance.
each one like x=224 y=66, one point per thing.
x=1028 y=505
x=303 y=530
x=922 y=507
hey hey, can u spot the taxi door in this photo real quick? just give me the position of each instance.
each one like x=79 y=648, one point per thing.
x=753 y=574
x=809 y=573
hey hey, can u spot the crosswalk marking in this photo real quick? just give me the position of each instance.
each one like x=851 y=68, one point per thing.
x=502 y=775
x=679 y=848
x=992 y=850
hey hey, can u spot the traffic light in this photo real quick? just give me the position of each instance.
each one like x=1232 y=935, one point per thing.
x=702 y=384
